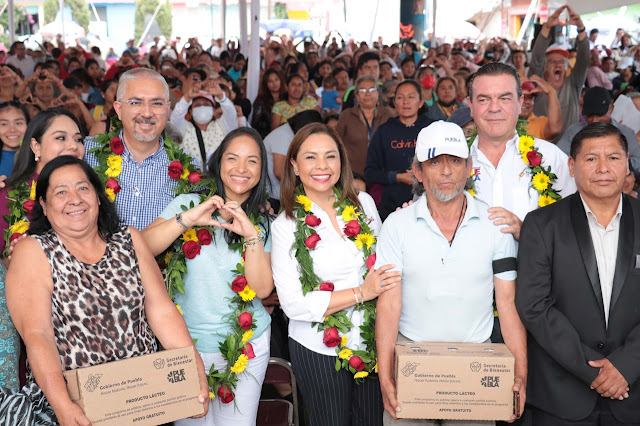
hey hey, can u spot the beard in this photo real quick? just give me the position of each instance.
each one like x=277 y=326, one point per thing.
x=443 y=197
x=144 y=137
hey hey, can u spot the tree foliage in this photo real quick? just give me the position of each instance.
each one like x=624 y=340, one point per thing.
x=280 y=11
x=146 y=8
x=79 y=11
x=18 y=15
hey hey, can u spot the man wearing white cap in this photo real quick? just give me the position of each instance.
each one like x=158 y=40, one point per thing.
x=550 y=63
x=449 y=234
x=625 y=68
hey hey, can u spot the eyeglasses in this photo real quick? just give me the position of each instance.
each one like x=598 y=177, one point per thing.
x=156 y=106
x=369 y=90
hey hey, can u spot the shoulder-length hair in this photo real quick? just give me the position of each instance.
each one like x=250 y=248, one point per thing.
x=258 y=197
x=21 y=108
x=290 y=181
x=264 y=94
x=25 y=164
x=108 y=222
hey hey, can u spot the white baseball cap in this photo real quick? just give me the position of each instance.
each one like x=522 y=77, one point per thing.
x=440 y=138
x=625 y=62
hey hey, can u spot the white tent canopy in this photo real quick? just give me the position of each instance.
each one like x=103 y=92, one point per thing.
x=582 y=7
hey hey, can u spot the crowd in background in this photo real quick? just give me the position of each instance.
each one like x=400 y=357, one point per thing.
x=377 y=97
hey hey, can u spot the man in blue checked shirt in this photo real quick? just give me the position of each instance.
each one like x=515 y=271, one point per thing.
x=142 y=104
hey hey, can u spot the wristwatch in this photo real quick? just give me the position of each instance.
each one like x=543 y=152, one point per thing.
x=180 y=222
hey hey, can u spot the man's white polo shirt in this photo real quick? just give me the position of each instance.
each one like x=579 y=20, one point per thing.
x=447 y=291
x=509 y=184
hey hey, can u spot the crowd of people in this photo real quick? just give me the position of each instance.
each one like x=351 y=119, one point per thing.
x=368 y=195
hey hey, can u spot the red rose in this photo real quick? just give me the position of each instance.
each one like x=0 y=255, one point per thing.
x=239 y=284
x=191 y=249
x=195 y=177
x=116 y=145
x=352 y=228
x=312 y=241
x=371 y=260
x=175 y=170
x=326 y=287
x=245 y=320
x=225 y=394
x=357 y=363
x=15 y=236
x=331 y=338
x=248 y=351
x=113 y=184
x=534 y=158
x=312 y=220
x=204 y=236
x=162 y=266
x=28 y=205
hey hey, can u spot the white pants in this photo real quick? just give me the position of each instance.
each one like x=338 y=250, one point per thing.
x=242 y=411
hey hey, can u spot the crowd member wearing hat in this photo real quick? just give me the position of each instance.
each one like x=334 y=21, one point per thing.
x=203 y=134
x=462 y=117
x=626 y=76
x=444 y=227
x=542 y=127
x=551 y=64
x=597 y=107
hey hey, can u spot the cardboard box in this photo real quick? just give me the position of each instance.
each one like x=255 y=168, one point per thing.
x=454 y=381
x=146 y=390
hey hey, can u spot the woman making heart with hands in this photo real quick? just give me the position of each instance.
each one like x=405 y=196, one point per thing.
x=226 y=245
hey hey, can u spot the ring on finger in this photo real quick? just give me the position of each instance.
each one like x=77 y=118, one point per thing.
x=381 y=283
x=236 y=208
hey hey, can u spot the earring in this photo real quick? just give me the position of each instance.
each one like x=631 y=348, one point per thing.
x=37 y=158
x=295 y=172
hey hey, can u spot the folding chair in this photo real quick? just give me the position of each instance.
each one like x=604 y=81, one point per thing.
x=279 y=412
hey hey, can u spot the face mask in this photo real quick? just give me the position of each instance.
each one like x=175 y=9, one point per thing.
x=85 y=97
x=202 y=114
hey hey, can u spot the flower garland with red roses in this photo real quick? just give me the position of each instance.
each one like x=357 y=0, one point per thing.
x=109 y=156
x=23 y=198
x=360 y=362
x=236 y=348
x=542 y=179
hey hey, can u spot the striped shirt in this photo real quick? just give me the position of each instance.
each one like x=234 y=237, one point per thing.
x=147 y=188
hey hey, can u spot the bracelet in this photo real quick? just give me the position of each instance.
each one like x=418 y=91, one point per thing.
x=253 y=241
x=581 y=30
x=355 y=296
x=180 y=222
x=361 y=293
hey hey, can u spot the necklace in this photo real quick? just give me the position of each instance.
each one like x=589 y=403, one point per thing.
x=462 y=210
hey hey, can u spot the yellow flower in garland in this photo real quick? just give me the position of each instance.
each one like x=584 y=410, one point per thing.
x=167 y=257
x=375 y=367
x=247 y=294
x=545 y=200
x=179 y=310
x=32 y=194
x=471 y=192
x=524 y=157
x=343 y=340
x=114 y=164
x=111 y=195
x=364 y=239
x=20 y=227
x=345 y=354
x=185 y=174
x=211 y=395
x=190 y=235
x=540 y=181
x=240 y=365
x=305 y=201
x=247 y=335
x=349 y=213
x=360 y=375
x=525 y=144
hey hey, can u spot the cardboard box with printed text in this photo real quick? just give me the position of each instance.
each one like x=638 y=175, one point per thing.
x=455 y=381
x=146 y=390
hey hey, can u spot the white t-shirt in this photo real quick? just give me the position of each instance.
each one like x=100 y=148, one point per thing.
x=277 y=142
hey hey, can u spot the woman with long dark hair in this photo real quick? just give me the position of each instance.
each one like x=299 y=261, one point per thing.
x=51 y=133
x=226 y=244
x=272 y=90
x=14 y=118
x=323 y=249
x=295 y=101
